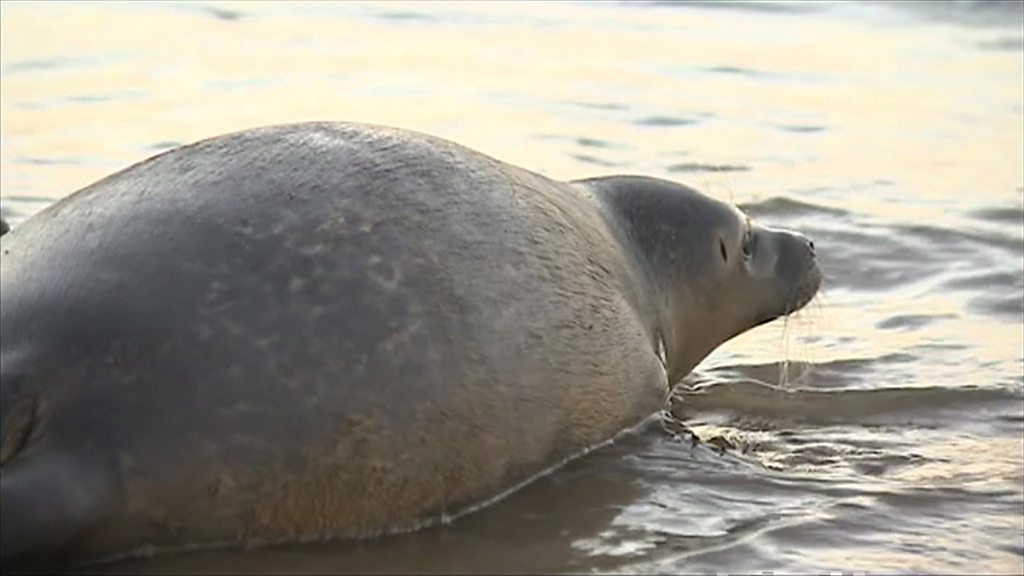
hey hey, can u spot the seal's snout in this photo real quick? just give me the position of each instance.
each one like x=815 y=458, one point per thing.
x=810 y=280
x=796 y=270
x=803 y=241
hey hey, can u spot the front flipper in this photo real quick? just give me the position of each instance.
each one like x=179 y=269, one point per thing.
x=46 y=500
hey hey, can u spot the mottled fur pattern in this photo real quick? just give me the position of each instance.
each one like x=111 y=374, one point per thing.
x=339 y=330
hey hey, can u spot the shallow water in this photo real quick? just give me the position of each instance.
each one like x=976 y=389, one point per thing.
x=879 y=430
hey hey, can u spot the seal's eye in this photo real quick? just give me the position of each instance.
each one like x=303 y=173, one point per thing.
x=748 y=244
x=721 y=246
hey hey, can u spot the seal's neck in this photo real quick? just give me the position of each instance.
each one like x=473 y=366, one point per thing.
x=639 y=214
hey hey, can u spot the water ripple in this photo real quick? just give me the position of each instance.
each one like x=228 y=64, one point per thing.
x=700 y=167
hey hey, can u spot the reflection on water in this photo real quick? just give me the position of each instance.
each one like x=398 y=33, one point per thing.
x=880 y=430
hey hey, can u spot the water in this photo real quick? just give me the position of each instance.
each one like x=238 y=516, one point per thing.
x=881 y=430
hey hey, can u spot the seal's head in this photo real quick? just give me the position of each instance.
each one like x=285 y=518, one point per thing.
x=712 y=272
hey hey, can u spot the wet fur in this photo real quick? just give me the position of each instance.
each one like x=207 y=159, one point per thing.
x=329 y=330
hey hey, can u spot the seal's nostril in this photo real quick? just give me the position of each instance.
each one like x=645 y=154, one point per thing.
x=810 y=244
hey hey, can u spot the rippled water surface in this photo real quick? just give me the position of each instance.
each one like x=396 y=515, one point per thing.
x=879 y=430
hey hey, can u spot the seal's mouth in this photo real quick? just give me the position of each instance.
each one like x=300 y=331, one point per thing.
x=805 y=291
x=799 y=295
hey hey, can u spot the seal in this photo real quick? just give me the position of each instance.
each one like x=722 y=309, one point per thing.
x=334 y=330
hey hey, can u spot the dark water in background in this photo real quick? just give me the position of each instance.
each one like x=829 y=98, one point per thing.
x=881 y=430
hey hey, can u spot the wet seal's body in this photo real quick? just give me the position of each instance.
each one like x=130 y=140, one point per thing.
x=339 y=330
